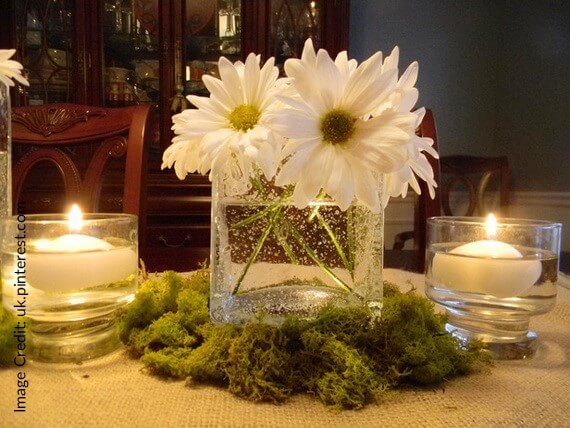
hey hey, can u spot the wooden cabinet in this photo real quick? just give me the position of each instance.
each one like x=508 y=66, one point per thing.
x=121 y=52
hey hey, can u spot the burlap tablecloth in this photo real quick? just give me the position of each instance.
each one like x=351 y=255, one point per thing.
x=114 y=392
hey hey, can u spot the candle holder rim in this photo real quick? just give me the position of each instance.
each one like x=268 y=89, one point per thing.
x=58 y=218
x=510 y=222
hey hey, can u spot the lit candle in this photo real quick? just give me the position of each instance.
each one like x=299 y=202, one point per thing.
x=76 y=261
x=487 y=267
x=188 y=75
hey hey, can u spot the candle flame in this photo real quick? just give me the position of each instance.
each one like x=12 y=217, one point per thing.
x=491 y=226
x=75 y=218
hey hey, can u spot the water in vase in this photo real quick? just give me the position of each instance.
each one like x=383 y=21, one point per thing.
x=271 y=259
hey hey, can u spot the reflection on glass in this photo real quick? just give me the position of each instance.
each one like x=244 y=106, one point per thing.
x=44 y=41
x=293 y=22
x=212 y=29
x=130 y=38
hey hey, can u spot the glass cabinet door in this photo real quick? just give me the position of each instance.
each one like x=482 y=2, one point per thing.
x=211 y=28
x=44 y=39
x=293 y=22
x=131 y=60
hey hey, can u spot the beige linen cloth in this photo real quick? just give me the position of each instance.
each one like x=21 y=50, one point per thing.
x=113 y=391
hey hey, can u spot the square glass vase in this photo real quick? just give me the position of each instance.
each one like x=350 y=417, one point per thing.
x=271 y=260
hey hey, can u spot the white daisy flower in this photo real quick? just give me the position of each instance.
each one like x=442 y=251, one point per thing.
x=228 y=133
x=331 y=146
x=396 y=183
x=9 y=69
x=405 y=96
x=403 y=99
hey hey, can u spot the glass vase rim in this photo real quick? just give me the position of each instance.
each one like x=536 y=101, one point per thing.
x=510 y=222
x=62 y=218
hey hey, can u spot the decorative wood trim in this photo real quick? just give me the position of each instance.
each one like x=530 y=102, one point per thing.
x=53 y=120
x=113 y=147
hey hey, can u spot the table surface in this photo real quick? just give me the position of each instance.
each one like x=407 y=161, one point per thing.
x=115 y=391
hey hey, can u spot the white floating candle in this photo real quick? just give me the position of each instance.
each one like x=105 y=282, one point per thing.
x=487 y=267
x=76 y=261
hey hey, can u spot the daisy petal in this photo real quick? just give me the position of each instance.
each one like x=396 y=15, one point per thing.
x=300 y=144
x=251 y=79
x=231 y=81
x=294 y=167
x=308 y=54
x=293 y=124
x=329 y=78
x=217 y=91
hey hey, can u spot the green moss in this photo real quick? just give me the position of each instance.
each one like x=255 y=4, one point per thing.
x=166 y=331
x=208 y=362
x=155 y=297
x=170 y=362
x=193 y=309
x=345 y=377
x=345 y=356
x=258 y=364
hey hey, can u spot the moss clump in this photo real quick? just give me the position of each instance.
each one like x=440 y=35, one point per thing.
x=345 y=356
x=258 y=364
x=209 y=361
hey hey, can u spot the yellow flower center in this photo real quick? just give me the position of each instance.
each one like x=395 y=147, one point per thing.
x=244 y=117
x=337 y=126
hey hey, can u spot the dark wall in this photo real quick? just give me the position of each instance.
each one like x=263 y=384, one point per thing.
x=533 y=100
x=495 y=72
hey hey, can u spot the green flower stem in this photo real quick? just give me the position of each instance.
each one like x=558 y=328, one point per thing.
x=257 y=184
x=255 y=217
x=316 y=208
x=313 y=214
x=258 y=247
x=286 y=247
x=335 y=242
x=316 y=259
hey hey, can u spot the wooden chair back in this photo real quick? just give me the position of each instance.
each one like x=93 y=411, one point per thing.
x=81 y=141
x=425 y=206
x=476 y=174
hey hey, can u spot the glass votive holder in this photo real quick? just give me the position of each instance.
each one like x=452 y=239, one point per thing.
x=68 y=278
x=492 y=277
